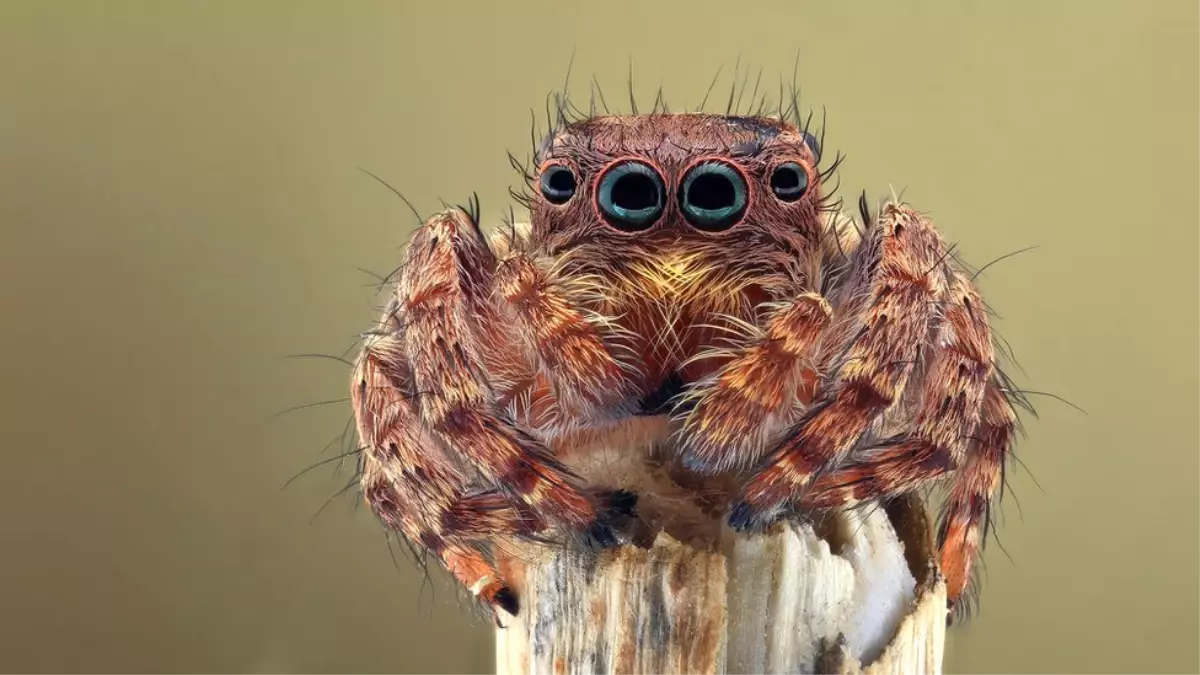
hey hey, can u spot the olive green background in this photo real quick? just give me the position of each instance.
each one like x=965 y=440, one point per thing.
x=181 y=207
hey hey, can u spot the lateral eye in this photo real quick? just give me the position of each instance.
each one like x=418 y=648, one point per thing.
x=558 y=184
x=814 y=145
x=789 y=181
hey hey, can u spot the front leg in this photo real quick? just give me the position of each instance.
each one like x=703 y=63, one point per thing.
x=574 y=351
x=730 y=419
x=742 y=407
x=887 y=305
x=447 y=294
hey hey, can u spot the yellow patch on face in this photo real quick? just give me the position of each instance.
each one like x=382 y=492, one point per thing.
x=673 y=275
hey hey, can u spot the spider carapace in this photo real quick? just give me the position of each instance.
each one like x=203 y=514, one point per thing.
x=689 y=266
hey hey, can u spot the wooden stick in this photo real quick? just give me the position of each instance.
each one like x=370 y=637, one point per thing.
x=857 y=593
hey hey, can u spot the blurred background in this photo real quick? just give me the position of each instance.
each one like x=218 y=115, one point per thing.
x=182 y=207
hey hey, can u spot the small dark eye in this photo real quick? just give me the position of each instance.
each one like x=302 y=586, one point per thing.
x=814 y=146
x=789 y=181
x=630 y=196
x=558 y=184
x=713 y=197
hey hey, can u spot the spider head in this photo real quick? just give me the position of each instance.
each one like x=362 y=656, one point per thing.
x=676 y=218
x=689 y=178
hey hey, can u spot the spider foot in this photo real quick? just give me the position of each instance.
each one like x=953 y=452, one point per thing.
x=618 y=507
x=621 y=503
x=749 y=518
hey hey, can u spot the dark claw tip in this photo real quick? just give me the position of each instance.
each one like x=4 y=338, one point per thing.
x=506 y=600
x=601 y=535
x=951 y=617
x=622 y=502
x=739 y=516
x=744 y=517
x=697 y=465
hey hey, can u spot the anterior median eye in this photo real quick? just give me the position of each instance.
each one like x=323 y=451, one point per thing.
x=713 y=196
x=789 y=181
x=630 y=196
x=558 y=184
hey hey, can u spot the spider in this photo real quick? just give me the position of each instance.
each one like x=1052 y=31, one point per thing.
x=691 y=266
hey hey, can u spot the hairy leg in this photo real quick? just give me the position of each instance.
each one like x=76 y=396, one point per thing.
x=574 y=350
x=963 y=427
x=729 y=419
x=964 y=521
x=411 y=484
x=445 y=292
x=886 y=308
x=754 y=396
x=947 y=393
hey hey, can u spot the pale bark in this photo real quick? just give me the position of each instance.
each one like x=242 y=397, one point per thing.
x=858 y=593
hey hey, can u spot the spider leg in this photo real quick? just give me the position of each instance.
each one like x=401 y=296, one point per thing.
x=573 y=350
x=948 y=393
x=412 y=485
x=963 y=426
x=965 y=518
x=446 y=296
x=886 y=309
x=729 y=419
x=744 y=405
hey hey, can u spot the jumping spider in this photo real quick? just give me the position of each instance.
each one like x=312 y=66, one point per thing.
x=694 y=259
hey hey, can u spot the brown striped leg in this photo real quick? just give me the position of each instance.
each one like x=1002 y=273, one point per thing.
x=402 y=509
x=964 y=426
x=964 y=521
x=573 y=350
x=899 y=272
x=411 y=484
x=756 y=395
x=958 y=364
x=446 y=289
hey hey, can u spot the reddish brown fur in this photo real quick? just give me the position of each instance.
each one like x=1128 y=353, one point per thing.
x=902 y=281
x=588 y=382
x=818 y=370
x=457 y=402
x=410 y=483
x=758 y=393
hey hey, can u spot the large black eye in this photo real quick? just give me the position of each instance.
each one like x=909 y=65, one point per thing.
x=789 y=181
x=630 y=196
x=713 y=196
x=558 y=184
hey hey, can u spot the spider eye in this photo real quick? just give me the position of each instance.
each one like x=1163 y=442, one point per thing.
x=557 y=184
x=630 y=196
x=789 y=181
x=814 y=146
x=713 y=197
